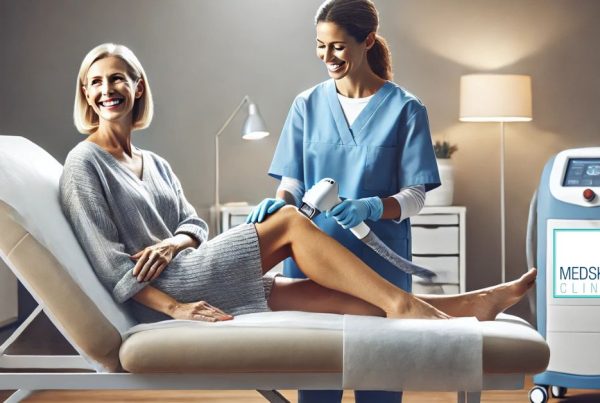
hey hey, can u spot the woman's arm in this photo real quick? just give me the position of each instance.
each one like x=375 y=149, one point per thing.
x=88 y=211
x=155 y=299
x=189 y=222
x=183 y=241
x=152 y=260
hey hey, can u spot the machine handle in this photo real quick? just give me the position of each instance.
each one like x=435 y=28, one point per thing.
x=361 y=230
x=531 y=233
x=531 y=247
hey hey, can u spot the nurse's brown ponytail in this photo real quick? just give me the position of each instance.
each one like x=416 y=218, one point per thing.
x=359 y=18
x=380 y=58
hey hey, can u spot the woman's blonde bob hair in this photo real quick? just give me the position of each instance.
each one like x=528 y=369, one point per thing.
x=86 y=120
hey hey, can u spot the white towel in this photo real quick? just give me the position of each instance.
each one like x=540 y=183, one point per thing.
x=412 y=354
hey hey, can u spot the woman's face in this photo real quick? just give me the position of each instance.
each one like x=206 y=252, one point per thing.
x=342 y=54
x=109 y=89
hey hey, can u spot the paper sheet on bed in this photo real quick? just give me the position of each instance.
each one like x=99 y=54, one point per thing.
x=412 y=354
x=280 y=319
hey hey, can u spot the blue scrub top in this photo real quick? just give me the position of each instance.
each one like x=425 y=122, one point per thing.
x=388 y=147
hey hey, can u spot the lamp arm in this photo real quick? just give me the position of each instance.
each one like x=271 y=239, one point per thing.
x=230 y=118
x=217 y=206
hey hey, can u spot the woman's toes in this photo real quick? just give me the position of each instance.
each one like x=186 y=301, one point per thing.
x=530 y=276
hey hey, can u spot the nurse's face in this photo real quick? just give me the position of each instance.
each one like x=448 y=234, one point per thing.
x=109 y=89
x=342 y=54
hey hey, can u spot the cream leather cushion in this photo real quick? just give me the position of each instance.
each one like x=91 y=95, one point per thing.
x=233 y=349
x=510 y=345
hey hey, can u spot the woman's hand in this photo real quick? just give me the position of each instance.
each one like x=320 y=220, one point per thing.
x=151 y=261
x=200 y=310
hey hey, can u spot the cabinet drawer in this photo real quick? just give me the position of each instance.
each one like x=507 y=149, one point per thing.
x=435 y=240
x=434 y=219
x=236 y=219
x=446 y=267
x=419 y=288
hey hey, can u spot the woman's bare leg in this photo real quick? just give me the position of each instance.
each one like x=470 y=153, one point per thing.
x=485 y=303
x=290 y=234
x=290 y=294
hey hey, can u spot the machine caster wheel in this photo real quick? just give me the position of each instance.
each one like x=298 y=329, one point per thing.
x=558 y=391
x=538 y=394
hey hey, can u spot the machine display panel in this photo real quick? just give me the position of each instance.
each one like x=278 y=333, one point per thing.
x=583 y=172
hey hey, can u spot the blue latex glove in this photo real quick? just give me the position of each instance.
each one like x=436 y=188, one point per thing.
x=350 y=213
x=266 y=207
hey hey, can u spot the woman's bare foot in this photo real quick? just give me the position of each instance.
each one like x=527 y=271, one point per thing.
x=489 y=302
x=414 y=308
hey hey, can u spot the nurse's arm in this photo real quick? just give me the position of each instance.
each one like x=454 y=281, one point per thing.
x=286 y=196
x=391 y=209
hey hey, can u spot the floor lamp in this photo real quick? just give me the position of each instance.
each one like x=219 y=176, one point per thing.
x=254 y=128
x=496 y=98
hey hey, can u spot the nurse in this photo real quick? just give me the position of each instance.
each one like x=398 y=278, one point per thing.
x=367 y=133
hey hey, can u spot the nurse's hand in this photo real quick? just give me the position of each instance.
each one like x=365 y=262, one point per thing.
x=266 y=207
x=350 y=213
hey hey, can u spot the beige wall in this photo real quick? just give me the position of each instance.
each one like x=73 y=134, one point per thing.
x=203 y=56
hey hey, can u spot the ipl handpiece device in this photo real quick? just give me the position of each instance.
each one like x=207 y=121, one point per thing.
x=323 y=196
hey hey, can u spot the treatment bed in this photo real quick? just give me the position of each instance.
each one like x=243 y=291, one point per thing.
x=267 y=351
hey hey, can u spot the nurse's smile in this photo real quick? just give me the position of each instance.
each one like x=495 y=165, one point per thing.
x=333 y=67
x=342 y=54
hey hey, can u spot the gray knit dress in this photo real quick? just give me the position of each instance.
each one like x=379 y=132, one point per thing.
x=115 y=214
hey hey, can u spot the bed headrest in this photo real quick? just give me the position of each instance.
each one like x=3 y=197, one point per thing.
x=72 y=312
x=29 y=179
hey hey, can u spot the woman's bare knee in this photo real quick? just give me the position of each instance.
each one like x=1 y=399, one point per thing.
x=278 y=226
x=291 y=217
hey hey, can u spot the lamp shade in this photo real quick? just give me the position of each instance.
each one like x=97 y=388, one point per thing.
x=254 y=127
x=495 y=98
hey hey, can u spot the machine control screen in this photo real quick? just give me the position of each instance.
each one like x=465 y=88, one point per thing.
x=583 y=172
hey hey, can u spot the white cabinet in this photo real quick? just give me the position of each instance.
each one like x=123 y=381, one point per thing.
x=8 y=296
x=232 y=216
x=438 y=243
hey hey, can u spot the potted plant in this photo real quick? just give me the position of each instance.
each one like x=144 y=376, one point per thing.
x=443 y=195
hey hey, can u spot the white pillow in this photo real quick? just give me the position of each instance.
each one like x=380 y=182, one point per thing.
x=29 y=183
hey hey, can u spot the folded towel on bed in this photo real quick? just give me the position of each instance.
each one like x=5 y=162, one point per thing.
x=412 y=354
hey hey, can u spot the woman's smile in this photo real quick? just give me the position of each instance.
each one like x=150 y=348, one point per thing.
x=111 y=103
